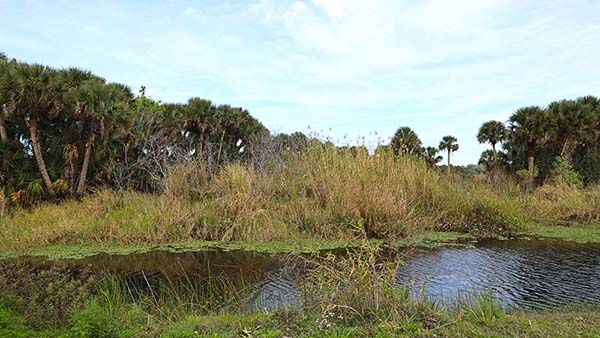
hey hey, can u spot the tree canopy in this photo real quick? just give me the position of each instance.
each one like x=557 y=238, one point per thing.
x=62 y=128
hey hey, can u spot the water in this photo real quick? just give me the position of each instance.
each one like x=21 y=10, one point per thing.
x=521 y=274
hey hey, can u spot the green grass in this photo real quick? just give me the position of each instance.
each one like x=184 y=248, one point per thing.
x=96 y=321
x=576 y=233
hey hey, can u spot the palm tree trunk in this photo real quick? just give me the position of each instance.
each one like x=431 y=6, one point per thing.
x=200 y=145
x=567 y=150
x=84 y=167
x=220 y=147
x=3 y=132
x=531 y=162
x=37 y=151
x=448 y=162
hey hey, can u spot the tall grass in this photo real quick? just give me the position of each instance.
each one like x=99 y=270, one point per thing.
x=561 y=204
x=322 y=192
x=359 y=288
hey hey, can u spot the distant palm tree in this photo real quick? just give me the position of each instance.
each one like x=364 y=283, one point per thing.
x=200 y=120
x=405 y=141
x=492 y=132
x=487 y=159
x=530 y=124
x=431 y=157
x=449 y=144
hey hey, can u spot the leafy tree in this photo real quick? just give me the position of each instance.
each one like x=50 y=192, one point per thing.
x=201 y=122
x=562 y=172
x=35 y=97
x=294 y=143
x=487 y=159
x=531 y=125
x=405 y=141
x=574 y=124
x=449 y=144
x=492 y=132
x=95 y=105
x=431 y=157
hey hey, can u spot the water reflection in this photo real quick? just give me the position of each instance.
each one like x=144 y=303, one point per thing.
x=520 y=273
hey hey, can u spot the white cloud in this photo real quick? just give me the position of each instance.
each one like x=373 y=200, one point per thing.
x=333 y=8
x=355 y=66
x=190 y=11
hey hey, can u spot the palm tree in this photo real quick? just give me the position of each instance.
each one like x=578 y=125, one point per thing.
x=199 y=121
x=35 y=96
x=431 y=157
x=487 y=159
x=96 y=104
x=4 y=93
x=574 y=125
x=531 y=125
x=405 y=141
x=492 y=132
x=449 y=144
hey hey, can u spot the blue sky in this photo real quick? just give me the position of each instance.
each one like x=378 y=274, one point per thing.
x=354 y=71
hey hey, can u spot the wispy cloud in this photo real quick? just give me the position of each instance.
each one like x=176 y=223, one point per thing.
x=357 y=67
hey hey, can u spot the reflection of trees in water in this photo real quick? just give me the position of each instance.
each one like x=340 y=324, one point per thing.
x=522 y=273
x=176 y=266
x=216 y=276
x=209 y=276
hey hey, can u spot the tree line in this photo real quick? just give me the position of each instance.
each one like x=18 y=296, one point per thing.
x=537 y=143
x=64 y=130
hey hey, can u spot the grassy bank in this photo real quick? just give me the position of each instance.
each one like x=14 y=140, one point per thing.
x=324 y=193
x=95 y=322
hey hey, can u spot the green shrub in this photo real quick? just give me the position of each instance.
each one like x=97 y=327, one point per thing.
x=45 y=293
x=94 y=321
x=11 y=324
x=563 y=172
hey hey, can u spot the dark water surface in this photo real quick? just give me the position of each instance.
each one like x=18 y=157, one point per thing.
x=520 y=273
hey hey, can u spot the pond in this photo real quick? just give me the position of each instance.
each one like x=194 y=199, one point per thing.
x=520 y=273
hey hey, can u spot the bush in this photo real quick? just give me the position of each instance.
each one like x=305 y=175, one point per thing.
x=563 y=173
x=563 y=204
x=483 y=213
x=45 y=294
x=94 y=321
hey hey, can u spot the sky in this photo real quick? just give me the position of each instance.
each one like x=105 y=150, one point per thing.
x=351 y=71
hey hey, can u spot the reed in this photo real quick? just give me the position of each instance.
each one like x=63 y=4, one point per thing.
x=323 y=192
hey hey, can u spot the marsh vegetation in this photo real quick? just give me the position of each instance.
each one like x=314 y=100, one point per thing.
x=90 y=165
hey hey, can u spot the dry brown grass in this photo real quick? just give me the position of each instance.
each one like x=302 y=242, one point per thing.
x=561 y=204
x=324 y=192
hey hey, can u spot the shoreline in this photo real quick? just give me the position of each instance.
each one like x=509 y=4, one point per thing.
x=583 y=234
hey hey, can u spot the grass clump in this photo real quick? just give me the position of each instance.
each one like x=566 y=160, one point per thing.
x=563 y=204
x=358 y=289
